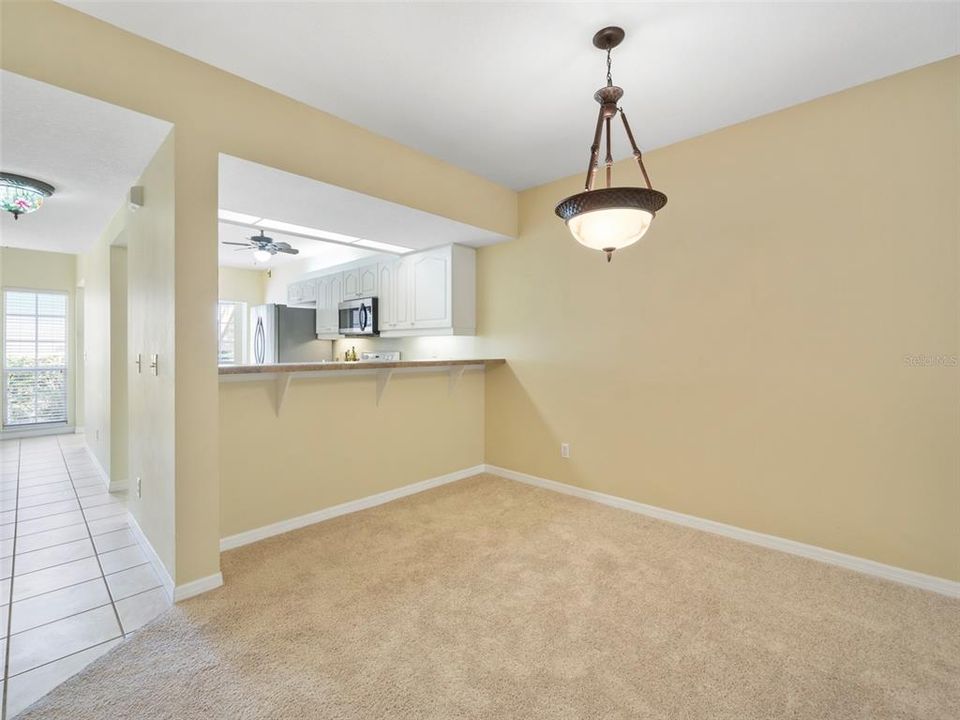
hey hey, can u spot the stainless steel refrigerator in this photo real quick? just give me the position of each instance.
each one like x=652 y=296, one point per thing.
x=281 y=334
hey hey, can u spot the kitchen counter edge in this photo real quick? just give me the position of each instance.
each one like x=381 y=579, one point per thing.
x=337 y=366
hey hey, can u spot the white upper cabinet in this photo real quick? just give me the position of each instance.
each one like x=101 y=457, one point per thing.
x=329 y=295
x=302 y=293
x=431 y=290
x=360 y=282
x=432 y=293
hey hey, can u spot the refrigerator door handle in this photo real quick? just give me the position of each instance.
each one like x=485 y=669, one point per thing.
x=259 y=342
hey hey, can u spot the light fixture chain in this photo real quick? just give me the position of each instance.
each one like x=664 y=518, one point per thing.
x=609 y=71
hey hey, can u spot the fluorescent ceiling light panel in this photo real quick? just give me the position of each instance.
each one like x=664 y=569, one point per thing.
x=386 y=247
x=236 y=217
x=304 y=230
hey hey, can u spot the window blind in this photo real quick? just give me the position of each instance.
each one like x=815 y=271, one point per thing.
x=35 y=357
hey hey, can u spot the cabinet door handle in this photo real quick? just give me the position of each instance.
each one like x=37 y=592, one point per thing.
x=139 y=363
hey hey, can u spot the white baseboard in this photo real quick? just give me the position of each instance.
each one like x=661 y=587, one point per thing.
x=101 y=470
x=196 y=587
x=36 y=432
x=112 y=485
x=78 y=430
x=278 y=528
x=943 y=586
x=158 y=566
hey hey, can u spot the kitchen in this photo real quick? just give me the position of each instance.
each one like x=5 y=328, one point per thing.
x=340 y=311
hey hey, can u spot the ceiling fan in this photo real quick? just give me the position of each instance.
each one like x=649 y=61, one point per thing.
x=263 y=247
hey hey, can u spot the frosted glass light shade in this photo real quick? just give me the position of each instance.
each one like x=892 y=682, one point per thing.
x=610 y=229
x=262 y=255
x=610 y=218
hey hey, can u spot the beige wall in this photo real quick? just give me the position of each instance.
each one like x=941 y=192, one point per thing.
x=747 y=362
x=239 y=285
x=93 y=274
x=127 y=278
x=34 y=270
x=332 y=443
x=102 y=276
x=119 y=367
x=149 y=235
x=216 y=112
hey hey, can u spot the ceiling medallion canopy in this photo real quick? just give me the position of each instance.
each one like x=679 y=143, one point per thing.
x=21 y=195
x=610 y=218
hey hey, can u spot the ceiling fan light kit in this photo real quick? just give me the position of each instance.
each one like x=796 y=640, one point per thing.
x=264 y=247
x=610 y=218
x=20 y=195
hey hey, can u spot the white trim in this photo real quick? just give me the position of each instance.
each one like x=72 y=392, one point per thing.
x=30 y=431
x=196 y=587
x=112 y=485
x=78 y=430
x=278 y=528
x=943 y=586
x=155 y=560
x=101 y=470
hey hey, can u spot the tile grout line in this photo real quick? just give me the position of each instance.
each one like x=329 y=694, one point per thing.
x=81 y=582
x=65 y=542
x=75 y=652
x=64 y=512
x=79 y=612
x=103 y=575
x=54 y=502
x=13 y=567
x=67 y=562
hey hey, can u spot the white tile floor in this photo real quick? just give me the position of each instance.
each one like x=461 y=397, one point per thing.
x=73 y=581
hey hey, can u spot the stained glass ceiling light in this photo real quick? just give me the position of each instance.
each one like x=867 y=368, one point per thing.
x=21 y=195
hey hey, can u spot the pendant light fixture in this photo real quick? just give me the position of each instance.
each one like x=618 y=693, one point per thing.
x=21 y=195
x=610 y=218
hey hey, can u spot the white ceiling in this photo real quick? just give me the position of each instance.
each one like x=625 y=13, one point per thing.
x=504 y=89
x=89 y=150
x=265 y=192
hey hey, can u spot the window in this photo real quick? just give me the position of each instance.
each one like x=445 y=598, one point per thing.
x=35 y=357
x=231 y=331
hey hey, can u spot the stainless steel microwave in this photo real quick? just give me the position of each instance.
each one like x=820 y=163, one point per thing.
x=358 y=318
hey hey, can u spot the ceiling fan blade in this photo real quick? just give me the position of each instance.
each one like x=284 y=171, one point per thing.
x=282 y=245
x=289 y=251
x=244 y=249
x=227 y=242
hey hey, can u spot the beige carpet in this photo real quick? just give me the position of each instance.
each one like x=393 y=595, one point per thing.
x=490 y=599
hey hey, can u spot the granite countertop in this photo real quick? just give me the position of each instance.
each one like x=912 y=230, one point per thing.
x=361 y=365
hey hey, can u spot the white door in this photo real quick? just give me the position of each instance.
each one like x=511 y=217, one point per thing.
x=431 y=290
x=403 y=293
x=387 y=296
x=328 y=299
x=368 y=281
x=351 y=283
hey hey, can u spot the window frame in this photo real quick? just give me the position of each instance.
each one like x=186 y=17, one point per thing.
x=241 y=338
x=67 y=374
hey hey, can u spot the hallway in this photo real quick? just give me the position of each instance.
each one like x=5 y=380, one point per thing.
x=73 y=580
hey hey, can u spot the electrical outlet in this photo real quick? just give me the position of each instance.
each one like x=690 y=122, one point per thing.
x=139 y=489
x=565 y=450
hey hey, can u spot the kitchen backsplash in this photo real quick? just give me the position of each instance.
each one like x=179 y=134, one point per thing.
x=413 y=348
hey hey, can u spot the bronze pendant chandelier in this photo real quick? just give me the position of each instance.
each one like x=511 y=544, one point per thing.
x=610 y=218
